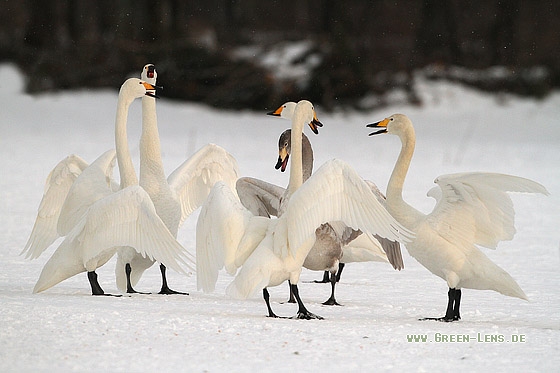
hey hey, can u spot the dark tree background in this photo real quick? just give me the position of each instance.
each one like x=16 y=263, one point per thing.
x=365 y=47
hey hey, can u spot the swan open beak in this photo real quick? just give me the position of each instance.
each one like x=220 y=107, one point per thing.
x=382 y=124
x=315 y=123
x=150 y=89
x=151 y=71
x=282 y=160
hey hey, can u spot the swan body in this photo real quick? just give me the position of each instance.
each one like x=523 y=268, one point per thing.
x=336 y=243
x=177 y=196
x=123 y=218
x=271 y=251
x=472 y=209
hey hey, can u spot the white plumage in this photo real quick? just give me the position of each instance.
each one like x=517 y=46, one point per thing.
x=336 y=243
x=104 y=220
x=275 y=249
x=177 y=196
x=472 y=209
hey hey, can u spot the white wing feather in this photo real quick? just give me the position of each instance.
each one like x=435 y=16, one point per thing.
x=226 y=234
x=125 y=218
x=475 y=208
x=129 y=218
x=259 y=197
x=191 y=181
x=337 y=192
x=93 y=184
x=57 y=185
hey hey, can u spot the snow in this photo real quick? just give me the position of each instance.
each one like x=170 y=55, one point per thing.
x=66 y=329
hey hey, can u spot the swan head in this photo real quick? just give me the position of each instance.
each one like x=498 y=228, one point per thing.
x=149 y=73
x=285 y=111
x=285 y=148
x=396 y=124
x=288 y=109
x=135 y=88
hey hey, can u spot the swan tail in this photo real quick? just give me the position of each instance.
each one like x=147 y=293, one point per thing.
x=506 y=285
x=63 y=264
x=248 y=282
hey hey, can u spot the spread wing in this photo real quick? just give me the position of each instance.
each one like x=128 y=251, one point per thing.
x=191 y=181
x=125 y=218
x=337 y=193
x=93 y=184
x=226 y=234
x=128 y=218
x=259 y=197
x=475 y=207
x=57 y=185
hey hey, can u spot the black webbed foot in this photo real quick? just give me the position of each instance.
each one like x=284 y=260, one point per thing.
x=164 y=288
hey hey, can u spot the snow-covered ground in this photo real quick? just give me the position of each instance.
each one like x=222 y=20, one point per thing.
x=66 y=329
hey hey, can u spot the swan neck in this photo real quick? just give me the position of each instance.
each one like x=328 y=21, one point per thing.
x=307 y=158
x=296 y=168
x=151 y=164
x=126 y=168
x=396 y=181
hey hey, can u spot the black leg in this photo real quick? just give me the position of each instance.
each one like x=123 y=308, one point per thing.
x=456 y=314
x=453 y=304
x=325 y=278
x=292 y=299
x=164 y=288
x=332 y=300
x=95 y=287
x=303 y=313
x=266 y=297
x=129 y=288
x=340 y=268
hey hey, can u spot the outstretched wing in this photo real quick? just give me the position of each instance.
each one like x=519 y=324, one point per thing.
x=58 y=184
x=226 y=234
x=191 y=181
x=259 y=197
x=125 y=218
x=128 y=218
x=474 y=207
x=92 y=185
x=337 y=192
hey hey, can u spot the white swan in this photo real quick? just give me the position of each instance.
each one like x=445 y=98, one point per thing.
x=271 y=251
x=63 y=202
x=175 y=197
x=123 y=218
x=472 y=209
x=335 y=241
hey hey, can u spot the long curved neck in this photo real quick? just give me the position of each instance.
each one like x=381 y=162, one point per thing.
x=151 y=164
x=296 y=169
x=126 y=168
x=307 y=157
x=402 y=211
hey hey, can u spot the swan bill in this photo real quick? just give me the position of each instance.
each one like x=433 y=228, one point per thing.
x=381 y=124
x=314 y=124
x=277 y=112
x=150 y=68
x=150 y=89
x=282 y=162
